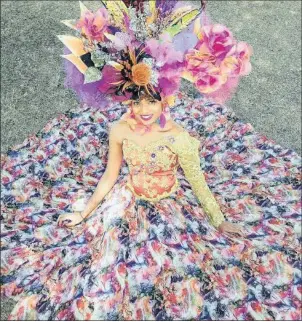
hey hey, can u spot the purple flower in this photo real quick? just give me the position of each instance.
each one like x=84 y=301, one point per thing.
x=106 y=86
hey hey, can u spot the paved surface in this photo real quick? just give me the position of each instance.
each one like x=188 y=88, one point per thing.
x=32 y=79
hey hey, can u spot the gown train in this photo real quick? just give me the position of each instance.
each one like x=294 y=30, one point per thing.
x=134 y=259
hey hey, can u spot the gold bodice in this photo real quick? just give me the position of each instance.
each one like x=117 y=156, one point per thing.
x=153 y=168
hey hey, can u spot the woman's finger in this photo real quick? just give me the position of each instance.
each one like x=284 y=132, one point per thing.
x=232 y=233
x=241 y=233
x=68 y=222
x=61 y=217
x=232 y=230
x=232 y=236
x=62 y=222
x=228 y=234
x=237 y=229
x=240 y=230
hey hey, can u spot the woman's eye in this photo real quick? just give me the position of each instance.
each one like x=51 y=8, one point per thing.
x=136 y=103
x=153 y=102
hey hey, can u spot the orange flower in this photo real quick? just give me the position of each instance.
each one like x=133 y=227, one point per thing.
x=141 y=74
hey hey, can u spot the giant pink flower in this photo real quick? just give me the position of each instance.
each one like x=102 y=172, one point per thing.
x=208 y=82
x=217 y=60
x=217 y=42
x=197 y=61
x=242 y=66
x=93 y=25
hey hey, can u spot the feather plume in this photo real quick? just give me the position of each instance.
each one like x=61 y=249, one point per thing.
x=116 y=9
x=83 y=8
x=77 y=62
x=116 y=65
x=181 y=19
x=74 y=44
x=197 y=28
x=70 y=23
x=182 y=22
x=152 y=6
x=150 y=19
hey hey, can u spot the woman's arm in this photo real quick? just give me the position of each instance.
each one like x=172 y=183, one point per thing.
x=111 y=173
x=189 y=160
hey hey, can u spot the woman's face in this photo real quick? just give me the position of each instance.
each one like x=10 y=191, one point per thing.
x=147 y=110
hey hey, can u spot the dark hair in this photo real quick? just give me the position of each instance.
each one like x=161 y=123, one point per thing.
x=146 y=97
x=142 y=94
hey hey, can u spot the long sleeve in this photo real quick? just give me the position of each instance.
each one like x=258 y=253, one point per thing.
x=189 y=160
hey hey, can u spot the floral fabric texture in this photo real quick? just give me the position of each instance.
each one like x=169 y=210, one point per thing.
x=136 y=259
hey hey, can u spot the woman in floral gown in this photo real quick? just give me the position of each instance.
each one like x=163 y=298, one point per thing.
x=202 y=222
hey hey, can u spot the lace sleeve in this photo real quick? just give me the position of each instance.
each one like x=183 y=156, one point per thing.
x=189 y=160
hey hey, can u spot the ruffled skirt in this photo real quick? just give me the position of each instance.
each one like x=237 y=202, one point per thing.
x=137 y=260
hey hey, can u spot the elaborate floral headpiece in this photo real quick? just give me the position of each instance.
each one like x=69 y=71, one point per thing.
x=124 y=53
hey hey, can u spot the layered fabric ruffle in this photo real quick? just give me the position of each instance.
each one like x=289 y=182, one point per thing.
x=136 y=260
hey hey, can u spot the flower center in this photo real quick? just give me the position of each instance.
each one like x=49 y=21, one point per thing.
x=141 y=74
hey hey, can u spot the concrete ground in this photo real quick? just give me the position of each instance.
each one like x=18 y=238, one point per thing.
x=32 y=78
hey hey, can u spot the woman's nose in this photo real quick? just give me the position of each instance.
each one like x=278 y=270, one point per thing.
x=145 y=110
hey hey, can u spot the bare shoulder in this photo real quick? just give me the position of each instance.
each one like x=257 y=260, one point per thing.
x=177 y=128
x=117 y=125
x=117 y=130
x=122 y=126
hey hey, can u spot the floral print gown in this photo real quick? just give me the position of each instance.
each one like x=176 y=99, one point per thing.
x=151 y=249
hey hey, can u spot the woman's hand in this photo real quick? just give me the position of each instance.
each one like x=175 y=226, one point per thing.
x=231 y=228
x=69 y=220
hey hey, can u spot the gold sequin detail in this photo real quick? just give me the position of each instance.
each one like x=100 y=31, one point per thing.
x=188 y=156
x=153 y=168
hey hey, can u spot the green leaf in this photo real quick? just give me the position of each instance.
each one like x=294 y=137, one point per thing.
x=182 y=23
x=91 y=75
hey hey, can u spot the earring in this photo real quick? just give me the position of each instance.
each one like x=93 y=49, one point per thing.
x=162 y=120
x=164 y=117
x=167 y=113
x=132 y=114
